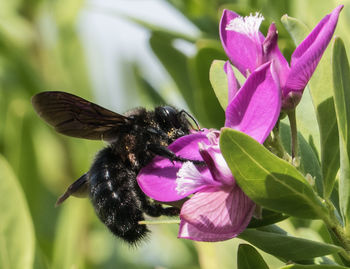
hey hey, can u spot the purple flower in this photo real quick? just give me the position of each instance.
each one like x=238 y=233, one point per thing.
x=218 y=209
x=247 y=48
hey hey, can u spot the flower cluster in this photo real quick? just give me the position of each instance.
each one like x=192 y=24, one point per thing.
x=217 y=208
x=247 y=48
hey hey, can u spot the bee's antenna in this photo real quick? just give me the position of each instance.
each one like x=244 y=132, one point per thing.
x=192 y=118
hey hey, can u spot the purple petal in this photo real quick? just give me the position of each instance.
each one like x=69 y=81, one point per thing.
x=158 y=179
x=257 y=105
x=189 y=179
x=233 y=84
x=215 y=214
x=244 y=53
x=216 y=163
x=308 y=54
x=272 y=53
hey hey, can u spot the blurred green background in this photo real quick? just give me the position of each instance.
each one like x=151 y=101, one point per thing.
x=120 y=54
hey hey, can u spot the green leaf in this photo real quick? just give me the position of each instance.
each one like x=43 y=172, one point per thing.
x=176 y=64
x=249 y=258
x=268 y=217
x=268 y=180
x=303 y=9
x=208 y=108
x=313 y=266
x=70 y=235
x=66 y=11
x=201 y=13
x=307 y=123
x=146 y=91
x=322 y=99
x=157 y=28
x=309 y=164
x=16 y=227
x=296 y=28
x=218 y=80
x=341 y=81
x=288 y=248
x=40 y=260
x=273 y=229
x=328 y=236
x=15 y=30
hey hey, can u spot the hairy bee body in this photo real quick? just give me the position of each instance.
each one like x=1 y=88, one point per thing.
x=115 y=196
x=134 y=139
x=118 y=201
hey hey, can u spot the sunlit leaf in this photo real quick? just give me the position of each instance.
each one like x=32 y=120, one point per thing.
x=69 y=241
x=218 y=81
x=341 y=80
x=302 y=8
x=66 y=10
x=16 y=227
x=296 y=28
x=16 y=31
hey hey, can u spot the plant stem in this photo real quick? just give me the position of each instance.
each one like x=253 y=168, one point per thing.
x=336 y=228
x=161 y=221
x=276 y=141
x=338 y=232
x=294 y=132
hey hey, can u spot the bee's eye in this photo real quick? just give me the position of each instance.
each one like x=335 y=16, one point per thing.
x=168 y=116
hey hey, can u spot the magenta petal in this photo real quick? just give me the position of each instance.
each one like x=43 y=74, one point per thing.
x=217 y=165
x=233 y=84
x=215 y=214
x=243 y=52
x=272 y=53
x=308 y=54
x=256 y=107
x=157 y=179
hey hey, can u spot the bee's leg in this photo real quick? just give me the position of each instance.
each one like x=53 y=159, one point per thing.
x=154 y=209
x=167 y=153
x=78 y=188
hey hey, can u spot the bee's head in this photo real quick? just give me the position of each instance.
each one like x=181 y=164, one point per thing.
x=170 y=118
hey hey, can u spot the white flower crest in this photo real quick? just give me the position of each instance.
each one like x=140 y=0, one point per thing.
x=248 y=25
x=188 y=178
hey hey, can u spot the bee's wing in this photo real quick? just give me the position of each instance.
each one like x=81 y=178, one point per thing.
x=74 y=116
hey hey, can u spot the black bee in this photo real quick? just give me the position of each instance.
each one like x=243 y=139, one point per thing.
x=134 y=139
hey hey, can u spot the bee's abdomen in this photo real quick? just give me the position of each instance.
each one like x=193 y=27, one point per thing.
x=114 y=197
